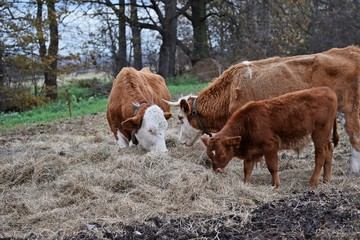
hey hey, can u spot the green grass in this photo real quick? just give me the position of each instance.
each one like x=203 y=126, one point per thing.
x=184 y=85
x=186 y=89
x=81 y=104
x=51 y=112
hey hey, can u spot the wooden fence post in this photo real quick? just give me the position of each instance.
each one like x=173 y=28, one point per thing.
x=69 y=102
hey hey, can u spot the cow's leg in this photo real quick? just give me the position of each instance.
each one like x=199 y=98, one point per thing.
x=248 y=168
x=328 y=163
x=121 y=140
x=352 y=126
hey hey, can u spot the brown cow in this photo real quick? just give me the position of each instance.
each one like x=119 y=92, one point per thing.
x=337 y=68
x=135 y=110
x=262 y=128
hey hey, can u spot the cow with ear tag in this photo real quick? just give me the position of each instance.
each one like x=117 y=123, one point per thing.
x=135 y=111
x=262 y=128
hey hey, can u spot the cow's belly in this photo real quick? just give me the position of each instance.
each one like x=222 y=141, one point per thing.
x=294 y=143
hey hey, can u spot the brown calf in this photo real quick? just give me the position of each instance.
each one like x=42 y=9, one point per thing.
x=262 y=128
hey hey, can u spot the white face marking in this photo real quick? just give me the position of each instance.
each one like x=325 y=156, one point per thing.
x=188 y=134
x=355 y=161
x=214 y=152
x=122 y=141
x=151 y=135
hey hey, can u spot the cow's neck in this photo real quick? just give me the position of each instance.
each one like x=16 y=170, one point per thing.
x=213 y=109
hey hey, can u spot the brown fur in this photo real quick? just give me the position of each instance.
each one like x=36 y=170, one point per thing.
x=337 y=68
x=262 y=128
x=132 y=86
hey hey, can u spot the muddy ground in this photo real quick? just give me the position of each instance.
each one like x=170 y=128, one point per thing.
x=53 y=175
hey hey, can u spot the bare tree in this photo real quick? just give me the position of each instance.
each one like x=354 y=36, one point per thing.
x=117 y=37
x=136 y=36
x=198 y=19
x=48 y=57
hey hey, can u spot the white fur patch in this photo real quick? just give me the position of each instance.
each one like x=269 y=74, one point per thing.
x=355 y=161
x=248 y=71
x=151 y=135
x=122 y=141
x=214 y=152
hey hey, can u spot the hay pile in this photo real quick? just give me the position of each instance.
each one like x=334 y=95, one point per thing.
x=69 y=180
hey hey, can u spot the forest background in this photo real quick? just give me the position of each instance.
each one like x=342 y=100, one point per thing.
x=43 y=43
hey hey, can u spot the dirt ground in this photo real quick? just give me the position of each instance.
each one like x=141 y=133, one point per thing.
x=68 y=180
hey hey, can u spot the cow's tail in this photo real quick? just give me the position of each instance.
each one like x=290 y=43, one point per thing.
x=335 y=137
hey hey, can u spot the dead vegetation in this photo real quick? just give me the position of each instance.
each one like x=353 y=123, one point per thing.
x=69 y=180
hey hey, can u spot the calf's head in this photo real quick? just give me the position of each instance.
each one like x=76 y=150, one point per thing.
x=188 y=134
x=221 y=150
x=149 y=126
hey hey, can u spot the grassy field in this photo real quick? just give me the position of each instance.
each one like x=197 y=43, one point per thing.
x=83 y=103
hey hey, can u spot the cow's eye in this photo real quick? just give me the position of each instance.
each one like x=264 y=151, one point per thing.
x=181 y=119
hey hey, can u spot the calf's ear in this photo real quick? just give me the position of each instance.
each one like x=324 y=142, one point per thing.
x=184 y=106
x=205 y=140
x=132 y=123
x=167 y=115
x=232 y=141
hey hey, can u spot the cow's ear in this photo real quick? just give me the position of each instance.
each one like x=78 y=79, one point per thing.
x=133 y=123
x=232 y=141
x=184 y=106
x=205 y=140
x=167 y=115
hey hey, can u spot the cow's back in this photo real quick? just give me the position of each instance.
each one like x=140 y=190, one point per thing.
x=142 y=86
x=158 y=88
x=336 y=68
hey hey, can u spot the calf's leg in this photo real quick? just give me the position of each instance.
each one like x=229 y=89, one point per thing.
x=321 y=146
x=328 y=163
x=272 y=163
x=248 y=168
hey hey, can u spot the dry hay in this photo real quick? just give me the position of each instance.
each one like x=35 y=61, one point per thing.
x=206 y=69
x=69 y=180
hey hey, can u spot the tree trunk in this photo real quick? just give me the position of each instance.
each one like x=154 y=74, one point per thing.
x=1 y=65
x=198 y=20
x=168 y=46
x=136 y=36
x=52 y=58
x=41 y=39
x=122 y=37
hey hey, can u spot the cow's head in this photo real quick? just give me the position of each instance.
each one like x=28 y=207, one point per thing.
x=221 y=150
x=188 y=134
x=149 y=125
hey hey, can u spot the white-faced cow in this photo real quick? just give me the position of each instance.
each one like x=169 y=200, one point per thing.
x=135 y=111
x=262 y=128
x=337 y=68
